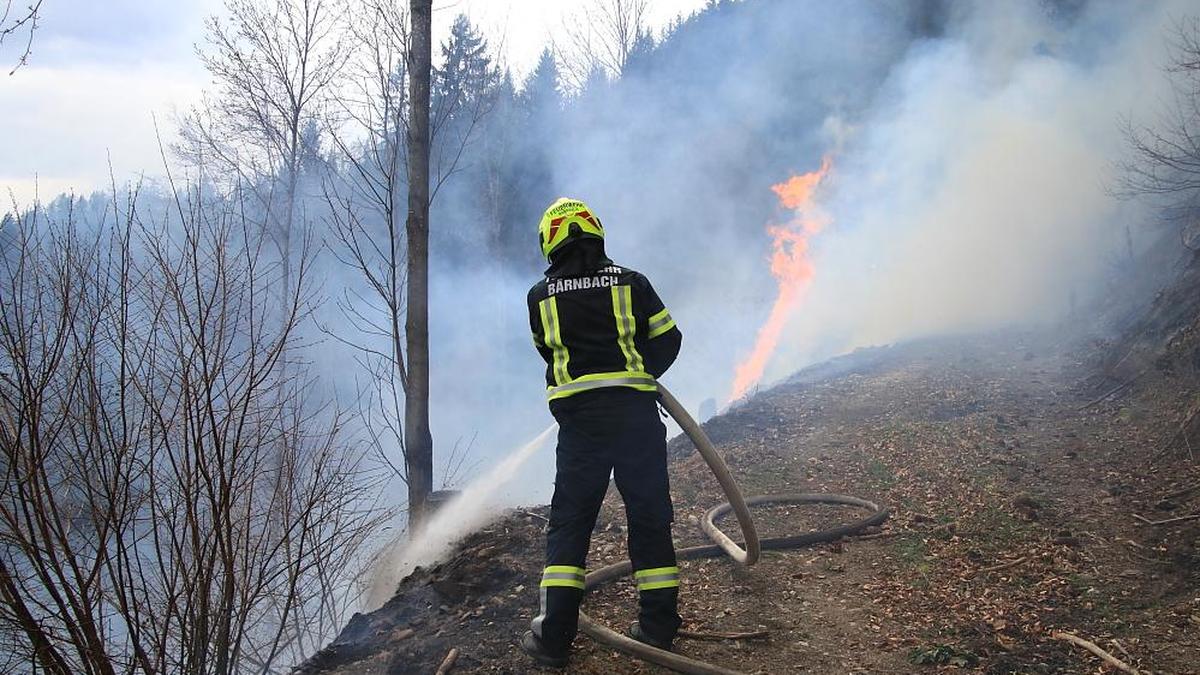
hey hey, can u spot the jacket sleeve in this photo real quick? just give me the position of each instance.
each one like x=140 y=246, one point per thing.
x=663 y=336
x=535 y=325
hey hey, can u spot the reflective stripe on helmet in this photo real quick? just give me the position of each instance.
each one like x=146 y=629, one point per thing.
x=622 y=301
x=564 y=220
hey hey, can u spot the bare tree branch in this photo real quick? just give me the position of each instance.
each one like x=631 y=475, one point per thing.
x=170 y=503
x=1164 y=160
x=24 y=20
x=600 y=36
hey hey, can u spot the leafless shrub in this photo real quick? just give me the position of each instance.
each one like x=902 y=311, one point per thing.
x=170 y=502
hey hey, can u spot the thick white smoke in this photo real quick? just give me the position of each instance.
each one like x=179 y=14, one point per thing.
x=972 y=155
x=973 y=196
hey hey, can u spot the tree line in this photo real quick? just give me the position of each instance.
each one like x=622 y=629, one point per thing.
x=180 y=494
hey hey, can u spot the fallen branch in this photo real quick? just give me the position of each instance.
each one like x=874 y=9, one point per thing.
x=1118 y=645
x=1143 y=557
x=1095 y=649
x=1183 y=429
x=1105 y=395
x=1181 y=493
x=1002 y=566
x=448 y=662
x=699 y=635
x=1178 y=519
x=1110 y=370
x=531 y=514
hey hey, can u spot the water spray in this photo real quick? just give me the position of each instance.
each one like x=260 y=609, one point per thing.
x=465 y=513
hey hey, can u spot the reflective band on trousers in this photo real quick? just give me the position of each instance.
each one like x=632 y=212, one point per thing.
x=656 y=578
x=646 y=382
x=563 y=575
x=557 y=576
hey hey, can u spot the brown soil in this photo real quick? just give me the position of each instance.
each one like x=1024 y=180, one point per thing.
x=1013 y=492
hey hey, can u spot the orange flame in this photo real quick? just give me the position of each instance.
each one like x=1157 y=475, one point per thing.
x=791 y=267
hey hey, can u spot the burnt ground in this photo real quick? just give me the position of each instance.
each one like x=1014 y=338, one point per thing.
x=1014 y=466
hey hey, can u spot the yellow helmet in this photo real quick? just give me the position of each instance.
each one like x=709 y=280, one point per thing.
x=567 y=220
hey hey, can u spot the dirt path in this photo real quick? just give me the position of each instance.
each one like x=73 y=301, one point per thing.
x=1012 y=501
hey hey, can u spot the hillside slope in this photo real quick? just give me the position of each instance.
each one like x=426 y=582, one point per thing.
x=1014 y=485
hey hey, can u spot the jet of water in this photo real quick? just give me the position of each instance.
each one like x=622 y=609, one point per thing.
x=467 y=512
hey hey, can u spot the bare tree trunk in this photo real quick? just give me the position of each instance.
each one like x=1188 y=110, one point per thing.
x=368 y=219
x=418 y=440
x=287 y=229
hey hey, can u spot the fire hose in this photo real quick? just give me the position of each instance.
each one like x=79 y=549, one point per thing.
x=723 y=543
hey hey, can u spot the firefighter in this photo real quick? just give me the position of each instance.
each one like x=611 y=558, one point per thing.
x=605 y=337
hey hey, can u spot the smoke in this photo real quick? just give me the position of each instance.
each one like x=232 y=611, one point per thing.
x=971 y=141
x=972 y=146
x=677 y=158
x=473 y=508
x=973 y=196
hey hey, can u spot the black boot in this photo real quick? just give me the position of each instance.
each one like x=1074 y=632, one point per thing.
x=535 y=648
x=635 y=632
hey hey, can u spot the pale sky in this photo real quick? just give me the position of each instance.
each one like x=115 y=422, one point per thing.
x=100 y=71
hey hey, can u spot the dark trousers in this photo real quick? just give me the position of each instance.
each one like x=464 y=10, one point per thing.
x=609 y=431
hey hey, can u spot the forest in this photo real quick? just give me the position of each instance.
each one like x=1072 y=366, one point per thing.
x=229 y=383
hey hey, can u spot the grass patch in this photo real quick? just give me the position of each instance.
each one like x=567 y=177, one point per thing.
x=994 y=529
x=880 y=473
x=686 y=492
x=764 y=478
x=911 y=550
x=942 y=655
x=1092 y=597
x=913 y=554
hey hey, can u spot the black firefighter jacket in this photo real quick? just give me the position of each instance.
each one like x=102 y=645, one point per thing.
x=597 y=324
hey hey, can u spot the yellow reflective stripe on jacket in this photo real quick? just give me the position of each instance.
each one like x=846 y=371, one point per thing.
x=622 y=301
x=660 y=323
x=656 y=578
x=565 y=576
x=552 y=336
x=642 y=381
